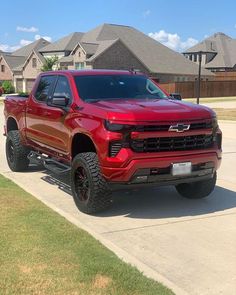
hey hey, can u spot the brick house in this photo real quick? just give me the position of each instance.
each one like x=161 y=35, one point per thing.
x=218 y=53
x=112 y=46
x=107 y=46
x=23 y=65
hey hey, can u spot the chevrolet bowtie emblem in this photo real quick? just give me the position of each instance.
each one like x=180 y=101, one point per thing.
x=179 y=127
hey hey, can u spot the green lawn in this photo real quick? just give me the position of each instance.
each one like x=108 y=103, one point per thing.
x=225 y=114
x=42 y=253
x=211 y=99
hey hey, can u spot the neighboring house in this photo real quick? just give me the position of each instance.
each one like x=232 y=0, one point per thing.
x=107 y=46
x=218 y=53
x=23 y=65
x=122 y=47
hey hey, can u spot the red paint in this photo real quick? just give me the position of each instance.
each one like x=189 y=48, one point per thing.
x=51 y=130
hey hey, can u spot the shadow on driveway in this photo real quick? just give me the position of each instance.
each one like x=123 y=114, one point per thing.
x=155 y=203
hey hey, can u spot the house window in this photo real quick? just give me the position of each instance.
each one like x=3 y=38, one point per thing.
x=79 y=54
x=34 y=62
x=79 y=65
x=195 y=57
x=2 y=68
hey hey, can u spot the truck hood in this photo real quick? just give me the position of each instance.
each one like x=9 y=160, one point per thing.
x=153 y=110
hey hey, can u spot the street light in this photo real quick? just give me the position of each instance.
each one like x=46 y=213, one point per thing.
x=199 y=76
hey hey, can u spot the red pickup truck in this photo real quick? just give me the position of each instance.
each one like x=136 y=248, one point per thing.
x=111 y=130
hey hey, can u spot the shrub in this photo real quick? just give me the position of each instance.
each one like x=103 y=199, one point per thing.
x=1 y=91
x=23 y=94
x=8 y=87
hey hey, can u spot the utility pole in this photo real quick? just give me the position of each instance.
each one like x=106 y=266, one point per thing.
x=199 y=76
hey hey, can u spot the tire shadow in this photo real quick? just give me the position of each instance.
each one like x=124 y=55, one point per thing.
x=155 y=202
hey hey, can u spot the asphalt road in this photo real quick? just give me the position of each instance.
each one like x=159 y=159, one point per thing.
x=189 y=245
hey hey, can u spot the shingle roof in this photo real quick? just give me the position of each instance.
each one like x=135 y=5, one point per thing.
x=68 y=58
x=90 y=48
x=66 y=43
x=221 y=44
x=14 y=62
x=156 y=57
x=26 y=50
x=102 y=46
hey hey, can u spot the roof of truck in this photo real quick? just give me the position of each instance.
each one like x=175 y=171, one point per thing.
x=94 y=72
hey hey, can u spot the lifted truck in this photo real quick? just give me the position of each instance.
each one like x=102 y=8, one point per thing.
x=112 y=129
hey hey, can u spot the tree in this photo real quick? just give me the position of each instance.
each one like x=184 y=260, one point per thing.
x=8 y=87
x=49 y=63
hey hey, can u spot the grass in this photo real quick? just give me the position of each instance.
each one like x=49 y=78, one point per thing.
x=211 y=99
x=42 y=253
x=225 y=114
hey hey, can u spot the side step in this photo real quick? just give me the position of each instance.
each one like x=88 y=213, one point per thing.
x=49 y=163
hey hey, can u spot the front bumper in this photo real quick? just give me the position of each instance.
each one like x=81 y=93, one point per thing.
x=158 y=169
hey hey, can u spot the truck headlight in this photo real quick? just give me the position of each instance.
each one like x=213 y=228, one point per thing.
x=214 y=123
x=116 y=127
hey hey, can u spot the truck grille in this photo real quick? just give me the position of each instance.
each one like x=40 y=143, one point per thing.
x=193 y=126
x=161 y=144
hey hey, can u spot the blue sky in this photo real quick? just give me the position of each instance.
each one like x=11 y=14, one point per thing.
x=177 y=24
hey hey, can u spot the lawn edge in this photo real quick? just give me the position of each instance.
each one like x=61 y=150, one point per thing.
x=120 y=253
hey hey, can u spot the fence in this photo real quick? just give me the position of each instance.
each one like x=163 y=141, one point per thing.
x=208 y=88
x=225 y=76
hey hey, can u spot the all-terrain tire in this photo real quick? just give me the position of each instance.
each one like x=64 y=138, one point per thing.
x=197 y=190
x=86 y=177
x=16 y=153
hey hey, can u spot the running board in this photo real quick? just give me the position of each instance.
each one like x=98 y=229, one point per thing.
x=49 y=163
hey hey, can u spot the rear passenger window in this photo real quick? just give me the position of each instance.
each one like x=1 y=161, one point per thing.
x=44 y=88
x=62 y=88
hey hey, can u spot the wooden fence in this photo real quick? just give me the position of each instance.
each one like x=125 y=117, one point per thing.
x=225 y=76
x=208 y=88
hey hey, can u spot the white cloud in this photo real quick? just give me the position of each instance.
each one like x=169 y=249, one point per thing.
x=146 y=13
x=173 y=41
x=23 y=42
x=37 y=37
x=27 y=30
x=8 y=48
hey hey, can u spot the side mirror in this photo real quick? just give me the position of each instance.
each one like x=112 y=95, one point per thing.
x=176 y=96
x=60 y=101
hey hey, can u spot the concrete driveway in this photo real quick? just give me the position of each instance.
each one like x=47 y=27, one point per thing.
x=189 y=245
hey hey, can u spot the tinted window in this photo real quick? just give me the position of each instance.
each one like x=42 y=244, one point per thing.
x=44 y=88
x=62 y=88
x=105 y=87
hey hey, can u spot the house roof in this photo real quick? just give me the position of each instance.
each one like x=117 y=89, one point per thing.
x=14 y=62
x=222 y=45
x=66 y=43
x=39 y=56
x=102 y=46
x=68 y=58
x=156 y=57
x=26 y=50
x=90 y=48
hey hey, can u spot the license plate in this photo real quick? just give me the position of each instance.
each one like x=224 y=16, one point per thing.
x=181 y=168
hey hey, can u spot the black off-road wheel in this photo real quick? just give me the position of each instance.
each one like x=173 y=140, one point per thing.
x=90 y=190
x=16 y=153
x=197 y=190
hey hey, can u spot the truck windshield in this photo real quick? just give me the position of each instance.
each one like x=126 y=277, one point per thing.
x=107 y=87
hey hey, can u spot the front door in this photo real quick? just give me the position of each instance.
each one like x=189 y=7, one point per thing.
x=46 y=125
